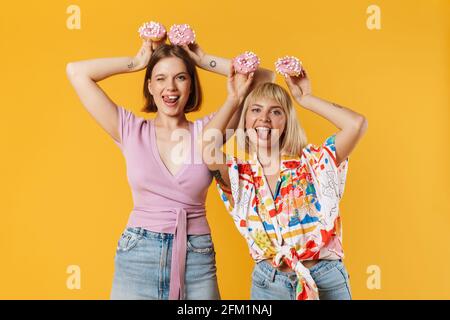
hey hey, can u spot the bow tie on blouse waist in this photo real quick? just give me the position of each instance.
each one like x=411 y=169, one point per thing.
x=306 y=286
x=178 y=223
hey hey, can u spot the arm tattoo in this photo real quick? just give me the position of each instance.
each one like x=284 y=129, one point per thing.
x=131 y=65
x=336 y=105
x=212 y=64
x=216 y=174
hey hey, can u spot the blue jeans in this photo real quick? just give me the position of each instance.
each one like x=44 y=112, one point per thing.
x=142 y=266
x=330 y=276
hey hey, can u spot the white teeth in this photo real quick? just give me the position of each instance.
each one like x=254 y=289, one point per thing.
x=173 y=97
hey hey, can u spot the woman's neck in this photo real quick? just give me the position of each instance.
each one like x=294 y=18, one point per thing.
x=270 y=161
x=170 y=122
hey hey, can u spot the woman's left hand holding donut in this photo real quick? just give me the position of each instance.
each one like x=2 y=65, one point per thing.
x=238 y=85
x=196 y=53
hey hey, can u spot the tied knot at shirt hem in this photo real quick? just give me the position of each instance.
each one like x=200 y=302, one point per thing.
x=306 y=286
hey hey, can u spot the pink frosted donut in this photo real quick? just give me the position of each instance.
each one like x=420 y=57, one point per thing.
x=246 y=63
x=181 y=34
x=289 y=66
x=153 y=31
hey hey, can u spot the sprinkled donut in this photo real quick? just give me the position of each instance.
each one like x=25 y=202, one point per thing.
x=181 y=34
x=246 y=63
x=289 y=66
x=153 y=31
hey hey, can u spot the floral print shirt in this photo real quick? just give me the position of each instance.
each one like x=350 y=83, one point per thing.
x=301 y=220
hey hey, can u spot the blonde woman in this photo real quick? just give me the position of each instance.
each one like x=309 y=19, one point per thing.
x=284 y=198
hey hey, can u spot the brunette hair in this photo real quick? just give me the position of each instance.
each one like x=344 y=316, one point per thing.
x=166 y=51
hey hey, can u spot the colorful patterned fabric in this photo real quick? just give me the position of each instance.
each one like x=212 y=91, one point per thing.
x=301 y=222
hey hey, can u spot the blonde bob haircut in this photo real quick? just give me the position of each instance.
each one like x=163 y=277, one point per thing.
x=293 y=139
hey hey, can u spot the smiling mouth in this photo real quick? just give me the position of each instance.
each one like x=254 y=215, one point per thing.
x=171 y=100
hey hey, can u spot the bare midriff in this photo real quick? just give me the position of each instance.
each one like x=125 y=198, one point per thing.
x=308 y=264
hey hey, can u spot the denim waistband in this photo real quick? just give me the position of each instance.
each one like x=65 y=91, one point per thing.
x=145 y=233
x=270 y=272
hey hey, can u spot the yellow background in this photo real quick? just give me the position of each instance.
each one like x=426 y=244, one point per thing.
x=64 y=197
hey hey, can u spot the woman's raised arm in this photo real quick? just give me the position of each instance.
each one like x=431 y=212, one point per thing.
x=211 y=139
x=222 y=66
x=84 y=76
x=352 y=125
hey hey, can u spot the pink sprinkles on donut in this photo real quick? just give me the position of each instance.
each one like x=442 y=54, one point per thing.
x=181 y=34
x=289 y=65
x=152 y=30
x=246 y=63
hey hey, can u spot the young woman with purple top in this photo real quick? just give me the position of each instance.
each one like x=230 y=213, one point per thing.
x=166 y=251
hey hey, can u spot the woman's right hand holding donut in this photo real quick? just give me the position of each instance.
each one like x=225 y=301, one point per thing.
x=140 y=61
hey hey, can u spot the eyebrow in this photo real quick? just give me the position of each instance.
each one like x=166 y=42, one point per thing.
x=162 y=74
x=271 y=107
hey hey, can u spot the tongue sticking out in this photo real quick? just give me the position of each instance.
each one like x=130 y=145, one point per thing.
x=169 y=100
x=263 y=134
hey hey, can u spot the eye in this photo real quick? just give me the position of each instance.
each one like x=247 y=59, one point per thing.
x=277 y=112
x=182 y=78
x=159 y=79
x=256 y=110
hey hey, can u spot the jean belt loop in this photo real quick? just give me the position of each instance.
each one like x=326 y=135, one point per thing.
x=272 y=276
